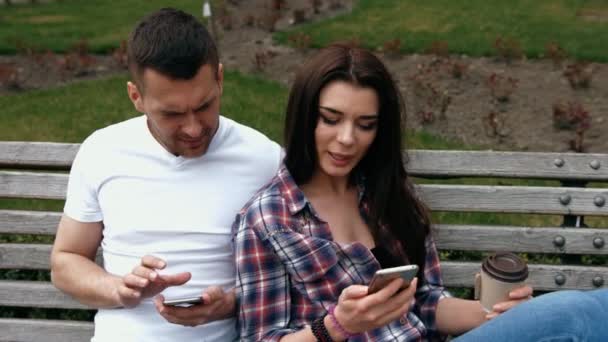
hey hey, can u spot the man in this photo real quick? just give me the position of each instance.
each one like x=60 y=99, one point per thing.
x=159 y=193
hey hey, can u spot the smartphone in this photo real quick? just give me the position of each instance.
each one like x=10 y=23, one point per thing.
x=384 y=276
x=183 y=301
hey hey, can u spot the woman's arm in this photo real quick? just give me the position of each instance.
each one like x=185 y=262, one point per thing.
x=431 y=291
x=262 y=287
x=455 y=316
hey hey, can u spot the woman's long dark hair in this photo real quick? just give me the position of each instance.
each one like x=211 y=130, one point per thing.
x=389 y=192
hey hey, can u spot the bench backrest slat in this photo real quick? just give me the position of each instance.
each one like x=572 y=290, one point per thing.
x=21 y=154
x=514 y=199
x=30 y=256
x=422 y=162
x=35 y=294
x=24 y=256
x=33 y=185
x=29 y=222
x=520 y=239
x=560 y=166
x=541 y=277
x=38 y=330
x=439 y=197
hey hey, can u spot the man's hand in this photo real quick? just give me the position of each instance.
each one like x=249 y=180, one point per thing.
x=517 y=296
x=145 y=282
x=217 y=304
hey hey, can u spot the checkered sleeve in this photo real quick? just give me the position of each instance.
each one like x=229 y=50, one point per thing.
x=431 y=292
x=262 y=285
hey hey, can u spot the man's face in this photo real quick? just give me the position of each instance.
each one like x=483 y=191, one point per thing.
x=183 y=115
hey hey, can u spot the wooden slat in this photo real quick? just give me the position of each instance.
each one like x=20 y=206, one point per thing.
x=513 y=199
x=422 y=162
x=507 y=164
x=37 y=154
x=519 y=239
x=25 y=256
x=33 y=185
x=35 y=294
x=29 y=222
x=507 y=199
x=541 y=277
x=30 y=256
x=38 y=330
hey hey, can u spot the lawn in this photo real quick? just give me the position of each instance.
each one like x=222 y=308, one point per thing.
x=70 y=113
x=471 y=27
x=60 y=24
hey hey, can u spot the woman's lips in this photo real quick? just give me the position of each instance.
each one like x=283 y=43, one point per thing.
x=340 y=159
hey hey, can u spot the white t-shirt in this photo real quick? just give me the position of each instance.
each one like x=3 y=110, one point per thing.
x=180 y=209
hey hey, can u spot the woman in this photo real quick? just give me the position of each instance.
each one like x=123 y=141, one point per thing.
x=340 y=208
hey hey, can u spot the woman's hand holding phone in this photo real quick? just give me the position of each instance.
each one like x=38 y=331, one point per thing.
x=358 y=310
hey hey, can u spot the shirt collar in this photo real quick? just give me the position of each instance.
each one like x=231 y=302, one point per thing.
x=292 y=194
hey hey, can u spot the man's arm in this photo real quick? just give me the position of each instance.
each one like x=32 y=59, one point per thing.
x=74 y=271
x=73 y=267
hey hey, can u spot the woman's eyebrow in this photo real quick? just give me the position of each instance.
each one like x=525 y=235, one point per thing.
x=369 y=117
x=362 y=117
x=332 y=110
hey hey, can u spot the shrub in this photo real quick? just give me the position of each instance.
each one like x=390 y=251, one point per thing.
x=392 y=48
x=570 y=115
x=555 y=53
x=501 y=87
x=300 y=41
x=508 y=49
x=494 y=125
x=438 y=48
x=579 y=75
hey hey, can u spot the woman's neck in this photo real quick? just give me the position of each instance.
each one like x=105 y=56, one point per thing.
x=322 y=184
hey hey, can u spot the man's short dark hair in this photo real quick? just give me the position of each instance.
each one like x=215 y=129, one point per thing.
x=171 y=42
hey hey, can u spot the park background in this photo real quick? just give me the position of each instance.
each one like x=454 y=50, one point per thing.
x=502 y=75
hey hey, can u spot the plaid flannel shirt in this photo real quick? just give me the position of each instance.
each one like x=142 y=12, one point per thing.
x=289 y=270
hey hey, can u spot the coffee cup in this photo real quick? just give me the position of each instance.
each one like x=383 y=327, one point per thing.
x=500 y=273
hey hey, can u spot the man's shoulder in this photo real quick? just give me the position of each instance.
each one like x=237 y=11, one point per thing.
x=115 y=134
x=253 y=138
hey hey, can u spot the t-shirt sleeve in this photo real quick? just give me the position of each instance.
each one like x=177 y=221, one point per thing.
x=81 y=199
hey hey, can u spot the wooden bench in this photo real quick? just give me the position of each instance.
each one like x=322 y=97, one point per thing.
x=579 y=189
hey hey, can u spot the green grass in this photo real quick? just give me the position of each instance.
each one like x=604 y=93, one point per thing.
x=59 y=24
x=70 y=113
x=470 y=27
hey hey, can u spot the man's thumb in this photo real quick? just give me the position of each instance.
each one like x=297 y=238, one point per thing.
x=176 y=279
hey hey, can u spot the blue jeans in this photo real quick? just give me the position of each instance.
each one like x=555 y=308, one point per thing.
x=562 y=316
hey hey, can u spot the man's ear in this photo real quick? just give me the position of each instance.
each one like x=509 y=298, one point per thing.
x=135 y=97
x=220 y=77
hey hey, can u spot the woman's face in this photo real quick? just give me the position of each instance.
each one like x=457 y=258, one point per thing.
x=347 y=126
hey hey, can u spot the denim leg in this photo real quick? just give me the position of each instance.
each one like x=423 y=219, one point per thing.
x=562 y=316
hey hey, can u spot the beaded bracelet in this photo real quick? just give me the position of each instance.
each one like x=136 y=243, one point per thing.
x=337 y=324
x=320 y=331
